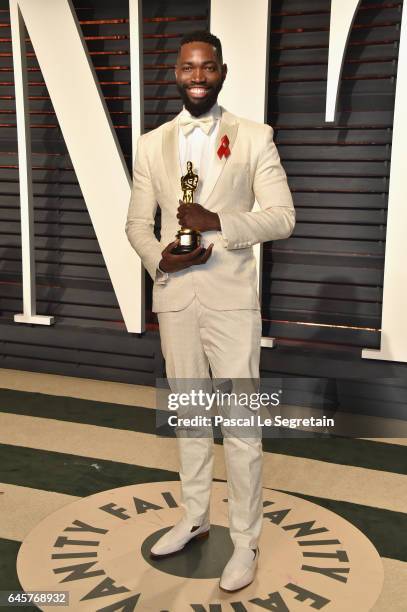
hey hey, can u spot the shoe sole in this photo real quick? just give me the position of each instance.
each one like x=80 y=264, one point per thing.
x=235 y=590
x=200 y=536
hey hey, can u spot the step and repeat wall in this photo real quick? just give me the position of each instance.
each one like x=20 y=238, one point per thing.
x=321 y=288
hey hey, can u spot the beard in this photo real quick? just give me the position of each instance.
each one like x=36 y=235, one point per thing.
x=200 y=107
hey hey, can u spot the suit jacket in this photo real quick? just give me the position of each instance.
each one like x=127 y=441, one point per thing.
x=252 y=171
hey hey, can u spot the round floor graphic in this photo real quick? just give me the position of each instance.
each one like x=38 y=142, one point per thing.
x=97 y=550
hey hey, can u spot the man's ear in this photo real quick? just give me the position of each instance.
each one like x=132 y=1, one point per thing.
x=224 y=71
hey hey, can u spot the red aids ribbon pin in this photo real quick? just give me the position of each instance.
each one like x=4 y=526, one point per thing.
x=224 y=150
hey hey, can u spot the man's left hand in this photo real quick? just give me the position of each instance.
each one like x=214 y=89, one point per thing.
x=195 y=216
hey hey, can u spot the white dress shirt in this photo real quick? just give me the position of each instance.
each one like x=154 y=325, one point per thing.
x=198 y=147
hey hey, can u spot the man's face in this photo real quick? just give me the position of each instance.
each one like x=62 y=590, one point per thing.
x=199 y=76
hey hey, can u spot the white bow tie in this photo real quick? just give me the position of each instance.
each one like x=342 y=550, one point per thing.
x=187 y=124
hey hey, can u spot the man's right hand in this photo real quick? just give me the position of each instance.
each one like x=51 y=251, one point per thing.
x=174 y=263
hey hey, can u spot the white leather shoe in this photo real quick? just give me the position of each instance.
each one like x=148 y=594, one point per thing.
x=176 y=538
x=240 y=569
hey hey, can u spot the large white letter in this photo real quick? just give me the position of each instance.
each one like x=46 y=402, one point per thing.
x=393 y=346
x=342 y=15
x=243 y=26
x=92 y=144
x=24 y=170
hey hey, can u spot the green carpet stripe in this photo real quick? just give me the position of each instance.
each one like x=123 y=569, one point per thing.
x=83 y=476
x=384 y=528
x=74 y=410
x=71 y=474
x=343 y=451
x=8 y=572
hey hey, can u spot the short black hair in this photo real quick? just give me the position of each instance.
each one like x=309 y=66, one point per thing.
x=203 y=36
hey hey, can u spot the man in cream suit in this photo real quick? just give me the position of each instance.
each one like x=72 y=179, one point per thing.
x=206 y=301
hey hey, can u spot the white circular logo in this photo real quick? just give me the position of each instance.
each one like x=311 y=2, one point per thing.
x=98 y=549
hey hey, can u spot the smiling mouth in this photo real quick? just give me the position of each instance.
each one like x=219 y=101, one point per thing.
x=198 y=92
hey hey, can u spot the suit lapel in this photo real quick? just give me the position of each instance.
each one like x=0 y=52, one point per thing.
x=228 y=126
x=170 y=151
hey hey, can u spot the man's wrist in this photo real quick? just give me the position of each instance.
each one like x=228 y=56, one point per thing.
x=160 y=267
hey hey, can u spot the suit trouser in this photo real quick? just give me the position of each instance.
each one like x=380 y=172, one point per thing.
x=229 y=342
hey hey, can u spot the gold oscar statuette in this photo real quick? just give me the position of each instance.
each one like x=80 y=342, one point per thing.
x=189 y=239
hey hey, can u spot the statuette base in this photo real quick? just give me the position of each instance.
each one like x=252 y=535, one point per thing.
x=189 y=240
